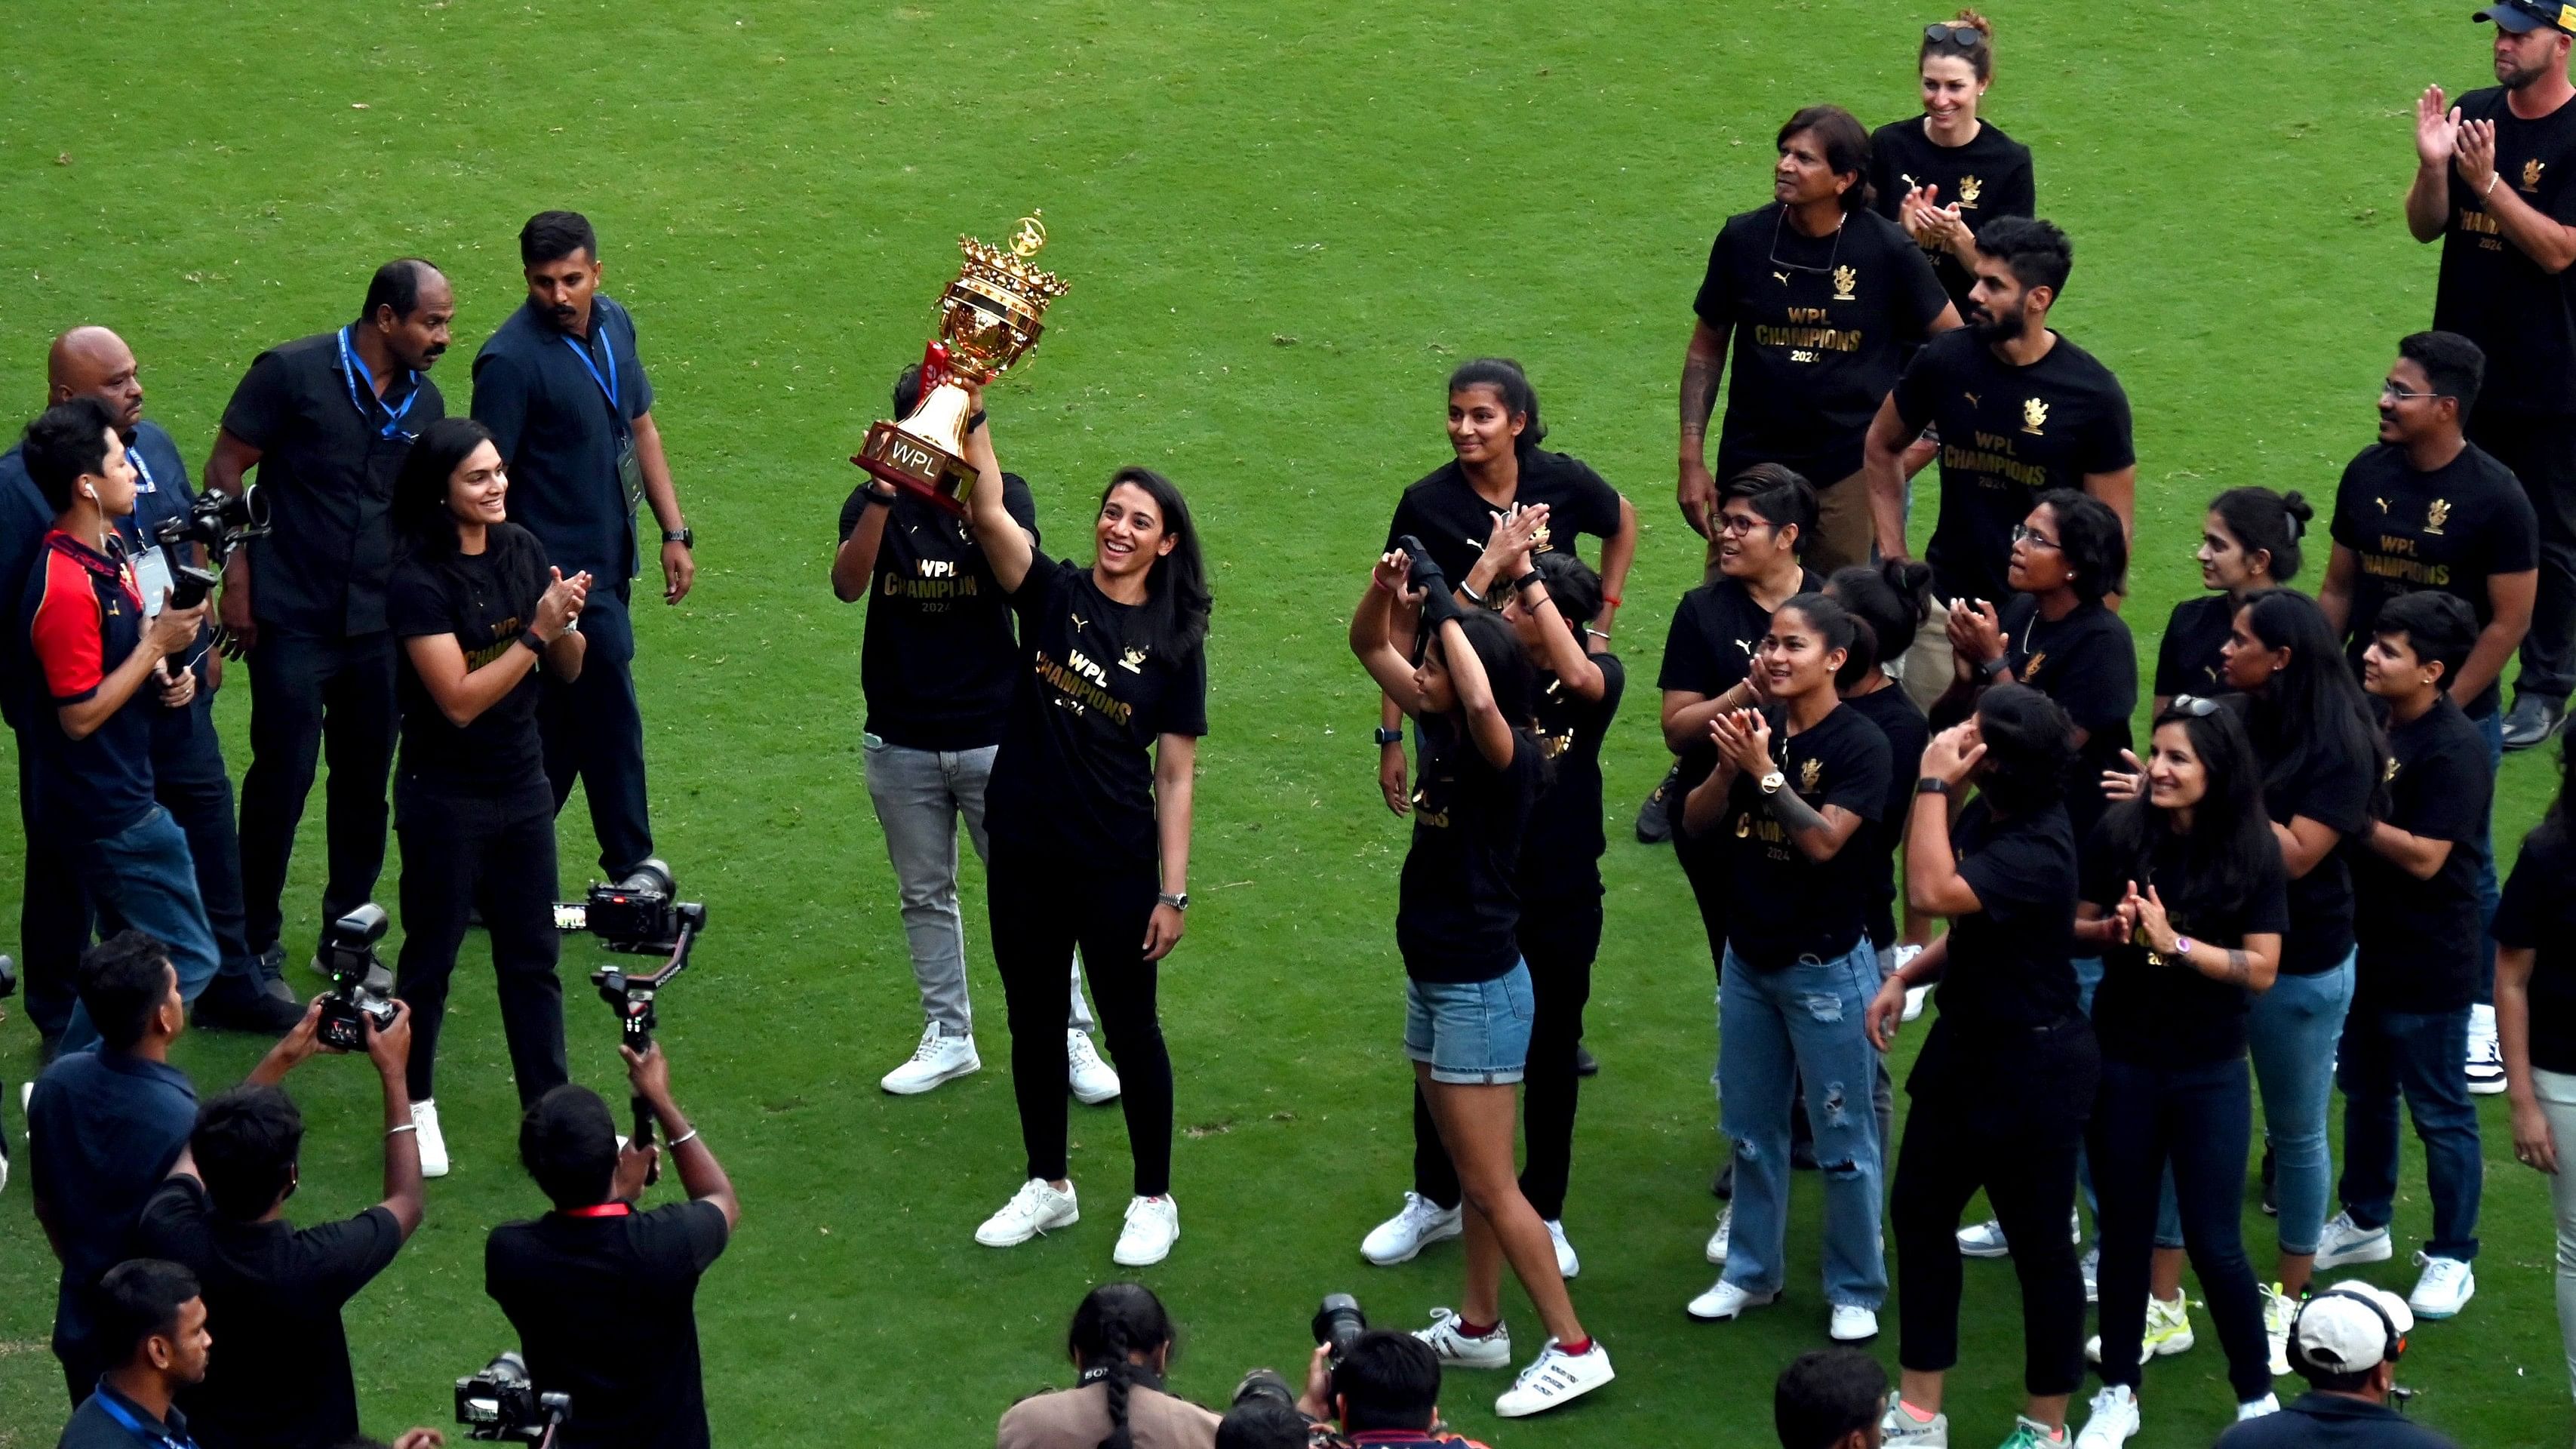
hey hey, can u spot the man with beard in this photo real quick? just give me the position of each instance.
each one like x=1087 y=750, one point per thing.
x=327 y=421
x=2493 y=182
x=2021 y=410
x=189 y=778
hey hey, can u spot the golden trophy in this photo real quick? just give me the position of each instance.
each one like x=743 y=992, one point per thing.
x=988 y=319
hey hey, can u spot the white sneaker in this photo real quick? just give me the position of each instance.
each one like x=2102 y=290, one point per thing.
x=940 y=1058
x=2168 y=1331
x=1725 y=1230
x=2258 y=1408
x=1567 y=1264
x=1092 y=1080
x=1449 y=1345
x=1985 y=1240
x=1035 y=1209
x=432 y=1142
x=2445 y=1288
x=1901 y=1430
x=1421 y=1223
x=2346 y=1242
x=1555 y=1378
x=2486 y=1066
x=2090 y=1265
x=1852 y=1324
x=2279 y=1310
x=1153 y=1225
x=1724 y=1300
x=2114 y=1420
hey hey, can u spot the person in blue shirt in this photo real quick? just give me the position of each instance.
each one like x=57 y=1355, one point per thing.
x=151 y=1311
x=564 y=392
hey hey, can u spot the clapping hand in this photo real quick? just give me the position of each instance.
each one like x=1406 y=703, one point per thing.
x=2147 y=916
x=2437 y=131
x=1743 y=737
x=561 y=606
x=1507 y=549
x=1976 y=630
x=2474 y=155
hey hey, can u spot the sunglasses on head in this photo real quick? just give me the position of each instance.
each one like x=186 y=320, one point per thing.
x=1966 y=37
x=2196 y=706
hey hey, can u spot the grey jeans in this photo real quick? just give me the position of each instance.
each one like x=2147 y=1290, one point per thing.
x=919 y=794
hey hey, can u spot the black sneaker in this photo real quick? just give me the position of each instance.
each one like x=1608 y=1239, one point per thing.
x=1584 y=1065
x=1655 y=818
x=234 y=1003
x=2532 y=720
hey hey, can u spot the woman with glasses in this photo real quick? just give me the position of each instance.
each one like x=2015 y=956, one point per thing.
x=1945 y=173
x=2250 y=540
x=2185 y=899
x=2323 y=760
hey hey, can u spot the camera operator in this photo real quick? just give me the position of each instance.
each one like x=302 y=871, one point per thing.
x=1121 y=1345
x=104 y=1127
x=479 y=613
x=2346 y=1343
x=149 y=1310
x=326 y=421
x=597 y=1263
x=1386 y=1390
x=222 y=1214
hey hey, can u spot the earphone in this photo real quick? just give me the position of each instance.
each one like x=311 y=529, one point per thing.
x=2390 y=1349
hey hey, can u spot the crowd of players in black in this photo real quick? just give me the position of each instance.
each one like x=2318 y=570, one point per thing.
x=2289 y=884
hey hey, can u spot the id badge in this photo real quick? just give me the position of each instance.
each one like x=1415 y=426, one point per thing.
x=152 y=576
x=630 y=473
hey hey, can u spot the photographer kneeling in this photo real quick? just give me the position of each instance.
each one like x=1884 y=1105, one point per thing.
x=272 y=1292
x=1120 y=1343
x=1386 y=1390
x=478 y=612
x=603 y=1295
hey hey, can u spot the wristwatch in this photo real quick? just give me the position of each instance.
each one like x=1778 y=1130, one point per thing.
x=1997 y=665
x=533 y=640
x=2182 y=945
x=1387 y=736
x=1770 y=784
x=684 y=537
x=1179 y=902
x=1931 y=785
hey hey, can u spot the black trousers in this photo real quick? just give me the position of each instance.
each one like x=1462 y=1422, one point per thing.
x=464 y=855
x=1966 y=1132
x=54 y=914
x=1559 y=941
x=311 y=695
x=2541 y=451
x=1041 y=907
x=594 y=733
x=2201 y=1119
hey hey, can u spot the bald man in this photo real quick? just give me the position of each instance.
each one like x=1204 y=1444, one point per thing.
x=189 y=779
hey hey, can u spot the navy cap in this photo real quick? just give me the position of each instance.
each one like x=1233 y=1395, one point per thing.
x=2524 y=16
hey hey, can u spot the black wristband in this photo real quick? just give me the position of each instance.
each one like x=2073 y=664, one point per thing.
x=1928 y=785
x=1527 y=580
x=1439 y=606
x=533 y=640
x=976 y=421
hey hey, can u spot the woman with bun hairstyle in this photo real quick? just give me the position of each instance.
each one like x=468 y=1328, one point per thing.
x=2250 y=540
x=1945 y=173
x=1884 y=599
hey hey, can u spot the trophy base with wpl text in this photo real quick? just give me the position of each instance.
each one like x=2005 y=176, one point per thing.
x=923 y=454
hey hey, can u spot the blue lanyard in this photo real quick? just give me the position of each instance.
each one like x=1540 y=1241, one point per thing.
x=135 y=457
x=134 y=1425
x=608 y=384
x=354 y=369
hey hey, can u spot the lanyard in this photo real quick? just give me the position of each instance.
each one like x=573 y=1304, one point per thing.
x=135 y=1426
x=135 y=457
x=608 y=384
x=354 y=368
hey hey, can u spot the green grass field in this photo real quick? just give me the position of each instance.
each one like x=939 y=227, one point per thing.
x=1283 y=224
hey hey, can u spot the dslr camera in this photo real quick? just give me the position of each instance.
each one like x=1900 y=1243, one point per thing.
x=217 y=520
x=362 y=990
x=502 y=1404
x=636 y=915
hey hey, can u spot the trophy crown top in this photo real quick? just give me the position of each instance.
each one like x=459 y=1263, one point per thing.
x=1031 y=237
x=1008 y=267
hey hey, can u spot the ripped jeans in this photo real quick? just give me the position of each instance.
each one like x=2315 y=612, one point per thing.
x=1771 y=1025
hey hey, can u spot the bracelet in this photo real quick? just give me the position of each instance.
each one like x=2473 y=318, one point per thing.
x=684 y=1139
x=2492 y=181
x=398 y=1131
x=1614 y=601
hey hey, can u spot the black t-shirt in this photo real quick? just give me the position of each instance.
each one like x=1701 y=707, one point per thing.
x=2448 y=530
x=606 y=1312
x=1987 y=178
x=279 y=1377
x=1561 y=852
x=2335 y=792
x=2419 y=938
x=1821 y=326
x=2008 y=966
x=2492 y=292
x=2155 y=1012
x=1708 y=649
x=2087 y=663
x=329 y=451
x=1809 y=908
x=2187 y=662
x=938 y=661
x=1454 y=521
x=2008 y=434
x=1907 y=733
x=1075 y=775
x=1458 y=904
x=485 y=599
x=2538 y=914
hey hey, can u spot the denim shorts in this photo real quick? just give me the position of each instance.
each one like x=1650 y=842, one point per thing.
x=1472 y=1033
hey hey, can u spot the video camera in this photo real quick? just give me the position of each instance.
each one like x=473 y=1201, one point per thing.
x=362 y=990
x=217 y=520
x=501 y=1403
x=638 y=917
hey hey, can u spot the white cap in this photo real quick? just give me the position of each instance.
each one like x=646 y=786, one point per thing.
x=2338 y=1332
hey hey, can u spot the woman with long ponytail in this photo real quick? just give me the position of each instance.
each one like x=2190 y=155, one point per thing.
x=1120 y=1343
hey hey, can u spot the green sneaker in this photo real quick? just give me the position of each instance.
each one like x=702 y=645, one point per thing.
x=2030 y=1434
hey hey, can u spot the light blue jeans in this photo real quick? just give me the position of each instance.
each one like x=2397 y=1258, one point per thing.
x=144 y=876
x=2294 y=1029
x=1804 y=1019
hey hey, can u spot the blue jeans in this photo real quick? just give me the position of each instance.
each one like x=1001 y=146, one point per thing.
x=2293 y=1029
x=2383 y=1053
x=144 y=875
x=1803 y=1019
x=1471 y=1033
x=2491 y=729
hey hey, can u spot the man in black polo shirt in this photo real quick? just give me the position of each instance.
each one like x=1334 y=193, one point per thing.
x=604 y=1294
x=150 y=1311
x=2021 y=410
x=2495 y=181
x=327 y=421
x=564 y=392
